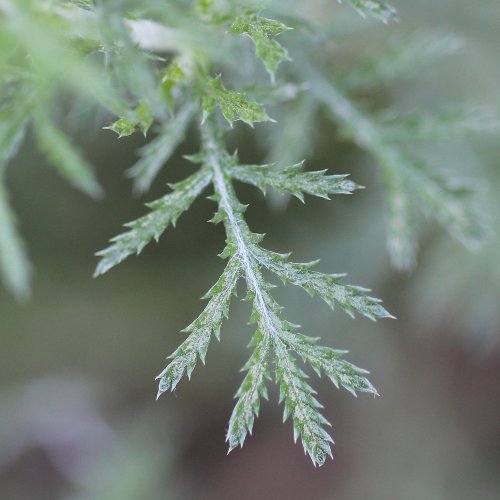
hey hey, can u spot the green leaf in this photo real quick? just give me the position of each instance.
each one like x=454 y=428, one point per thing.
x=251 y=390
x=214 y=11
x=141 y=118
x=328 y=286
x=41 y=33
x=156 y=153
x=164 y=211
x=301 y=404
x=65 y=157
x=288 y=141
x=401 y=59
x=451 y=202
x=144 y=117
x=170 y=78
x=16 y=108
x=292 y=179
x=234 y=105
x=129 y=67
x=298 y=396
x=123 y=127
x=15 y=268
x=274 y=334
x=402 y=232
x=205 y=7
x=262 y=32
x=201 y=330
x=413 y=188
x=329 y=361
x=376 y=8
x=425 y=126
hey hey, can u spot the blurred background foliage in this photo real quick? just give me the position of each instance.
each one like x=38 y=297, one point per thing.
x=78 y=419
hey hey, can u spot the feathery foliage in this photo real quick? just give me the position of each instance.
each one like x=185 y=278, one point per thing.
x=164 y=211
x=275 y=336
x=262 y=32
x=14 y=266
x=157 y=152
x=201 y=330
x=413 y=188
x=152 y=68
x=233 y=105
x=376 y=8
x=293 y=180
x=65 y=157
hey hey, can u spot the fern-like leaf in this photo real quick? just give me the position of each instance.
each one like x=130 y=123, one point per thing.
x=424 y=126
x=401 y=59
x=16 y=106
x=233 y=105
x=65 y=157
x=376 y=8
x=262 y=32
x=330 y=362
x=293 y=180
x=251 y=390
x=301 y=404
x=15 y=268
x=157 y=152
x=274 y=334
x=201 y=330
x=164 y=211
x=413 y=188
x=46 y=48
x=327 y=286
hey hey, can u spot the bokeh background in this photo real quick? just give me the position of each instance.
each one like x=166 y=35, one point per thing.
x=78 y=416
